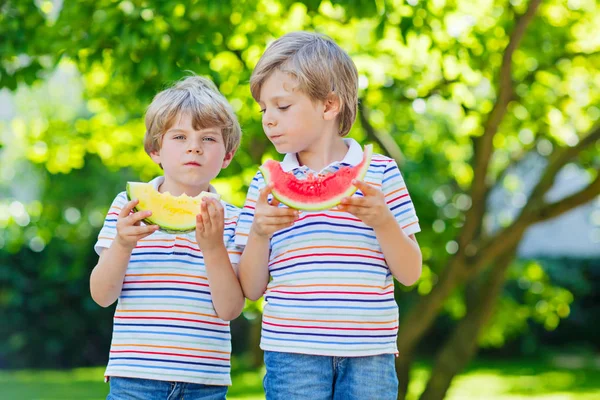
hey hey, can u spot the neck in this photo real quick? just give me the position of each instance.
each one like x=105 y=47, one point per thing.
x=329 y=149
x=179 y=189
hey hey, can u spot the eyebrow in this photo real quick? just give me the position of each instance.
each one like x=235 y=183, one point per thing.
x=207 y=131
x=276 y=98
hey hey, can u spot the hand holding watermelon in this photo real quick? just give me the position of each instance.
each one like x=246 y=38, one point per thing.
x=371 y=208
x=210 y=223
x=268 y=217
x=129 y=228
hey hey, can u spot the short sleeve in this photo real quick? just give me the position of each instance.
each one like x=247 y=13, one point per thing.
x=109 y=229
x=398 y=199
x=231 y=221
x=247 y=214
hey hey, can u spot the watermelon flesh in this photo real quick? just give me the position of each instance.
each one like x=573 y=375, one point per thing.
x=172 y=214
x=316 y=192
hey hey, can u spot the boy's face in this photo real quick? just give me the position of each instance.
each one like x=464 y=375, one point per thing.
x=191 y=159
x=292 y=121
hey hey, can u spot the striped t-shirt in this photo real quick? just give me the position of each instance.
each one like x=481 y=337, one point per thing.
x=331 y=292
x=165 y=325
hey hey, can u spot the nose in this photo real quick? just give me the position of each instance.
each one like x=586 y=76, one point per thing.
x=268 y=120
x=195 y=148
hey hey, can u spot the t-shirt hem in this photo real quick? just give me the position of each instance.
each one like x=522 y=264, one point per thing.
x=331 y=353
x=200 y=380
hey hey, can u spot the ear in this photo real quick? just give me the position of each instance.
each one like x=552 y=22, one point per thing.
x=331 y=107
x=155 y=156
x=227 y=159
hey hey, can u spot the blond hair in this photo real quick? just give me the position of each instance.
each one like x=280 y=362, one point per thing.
x=320 y=66
x=202 y=101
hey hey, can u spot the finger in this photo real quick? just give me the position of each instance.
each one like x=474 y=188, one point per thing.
x=142 y=230
x=360 y=201
x=199 y=224
x=354 y=210
x=263 y=194
x=275 y=202
x=280 y=212
x=128 y=208
x=276 y=228
x=364 y=187
x=215 y=212
x=136 y=218
x=278 y=220
x=205 y=215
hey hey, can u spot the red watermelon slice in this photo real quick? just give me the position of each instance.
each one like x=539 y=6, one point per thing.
x=317 y=192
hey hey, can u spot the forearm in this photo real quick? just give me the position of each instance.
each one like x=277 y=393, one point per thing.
x=253 y=268
x=106 y=280
x=226 y=292
x=401 y=252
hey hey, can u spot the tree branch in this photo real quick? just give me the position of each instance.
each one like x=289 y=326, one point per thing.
x=485 y=144
x=384 y=140
x=558 y=160
x=536 y=209
x=553 y=210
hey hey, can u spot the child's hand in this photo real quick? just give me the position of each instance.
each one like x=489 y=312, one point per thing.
x=268 y=218
x=129 y=229
x=210 y=224
x=371 y=208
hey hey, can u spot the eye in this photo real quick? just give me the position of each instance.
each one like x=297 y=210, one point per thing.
x=262 y=110
x=178 y=137
x=283 y=108
x=209 y=139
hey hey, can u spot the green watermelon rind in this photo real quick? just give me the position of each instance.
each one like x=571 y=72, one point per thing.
x=161 y=226
x=327 y=204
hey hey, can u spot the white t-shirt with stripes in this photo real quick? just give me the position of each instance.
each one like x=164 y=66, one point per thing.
x=331 y=292
x=165 y=326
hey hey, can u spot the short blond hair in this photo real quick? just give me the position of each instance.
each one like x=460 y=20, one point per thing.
x=202 y=101
x=320 y=66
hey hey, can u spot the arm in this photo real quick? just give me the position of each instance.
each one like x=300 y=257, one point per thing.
x=106 y=280
x=254 y=264
x=226 y=292
x=401 y=252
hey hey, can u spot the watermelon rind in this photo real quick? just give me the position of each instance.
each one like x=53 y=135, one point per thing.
x=328 y=203
x=166 y=197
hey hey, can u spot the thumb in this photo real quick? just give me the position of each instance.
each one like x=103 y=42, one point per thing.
x=263 y=194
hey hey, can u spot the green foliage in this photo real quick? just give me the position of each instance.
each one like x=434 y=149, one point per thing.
x=82 y=74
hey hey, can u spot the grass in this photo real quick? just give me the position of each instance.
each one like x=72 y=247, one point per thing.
x=494 y=380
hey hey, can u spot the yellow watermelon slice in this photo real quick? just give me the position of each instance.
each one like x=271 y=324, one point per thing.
x=316 y=192
x=173 y=214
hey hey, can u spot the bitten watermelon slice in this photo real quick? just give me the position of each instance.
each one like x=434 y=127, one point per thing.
x=316 y=192
x=173 y=214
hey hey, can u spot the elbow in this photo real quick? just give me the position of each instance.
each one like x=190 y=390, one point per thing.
x=412 y=275
x=412 y=278
x=100 y=298
x=253 y=296
x=102 y=302
x=233 y=312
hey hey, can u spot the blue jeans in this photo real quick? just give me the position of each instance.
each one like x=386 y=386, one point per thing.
x=149 y=389
x=300 y=376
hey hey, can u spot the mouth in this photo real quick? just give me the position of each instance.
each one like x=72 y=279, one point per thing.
x=192 y=164
x=275 y=137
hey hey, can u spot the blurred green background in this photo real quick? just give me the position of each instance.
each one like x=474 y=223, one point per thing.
x=490 y=107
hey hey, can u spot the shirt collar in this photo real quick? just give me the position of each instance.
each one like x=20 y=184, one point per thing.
x=156 y=182
x=353 y=157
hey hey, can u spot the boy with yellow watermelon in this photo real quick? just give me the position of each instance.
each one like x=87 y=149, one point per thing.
x=177 y=286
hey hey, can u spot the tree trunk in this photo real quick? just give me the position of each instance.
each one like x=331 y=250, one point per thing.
x=256 y=351
x=403 y=363
x=420 y=318
x=462 y=345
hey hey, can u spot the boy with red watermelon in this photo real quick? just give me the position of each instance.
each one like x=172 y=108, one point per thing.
x=330 y=320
